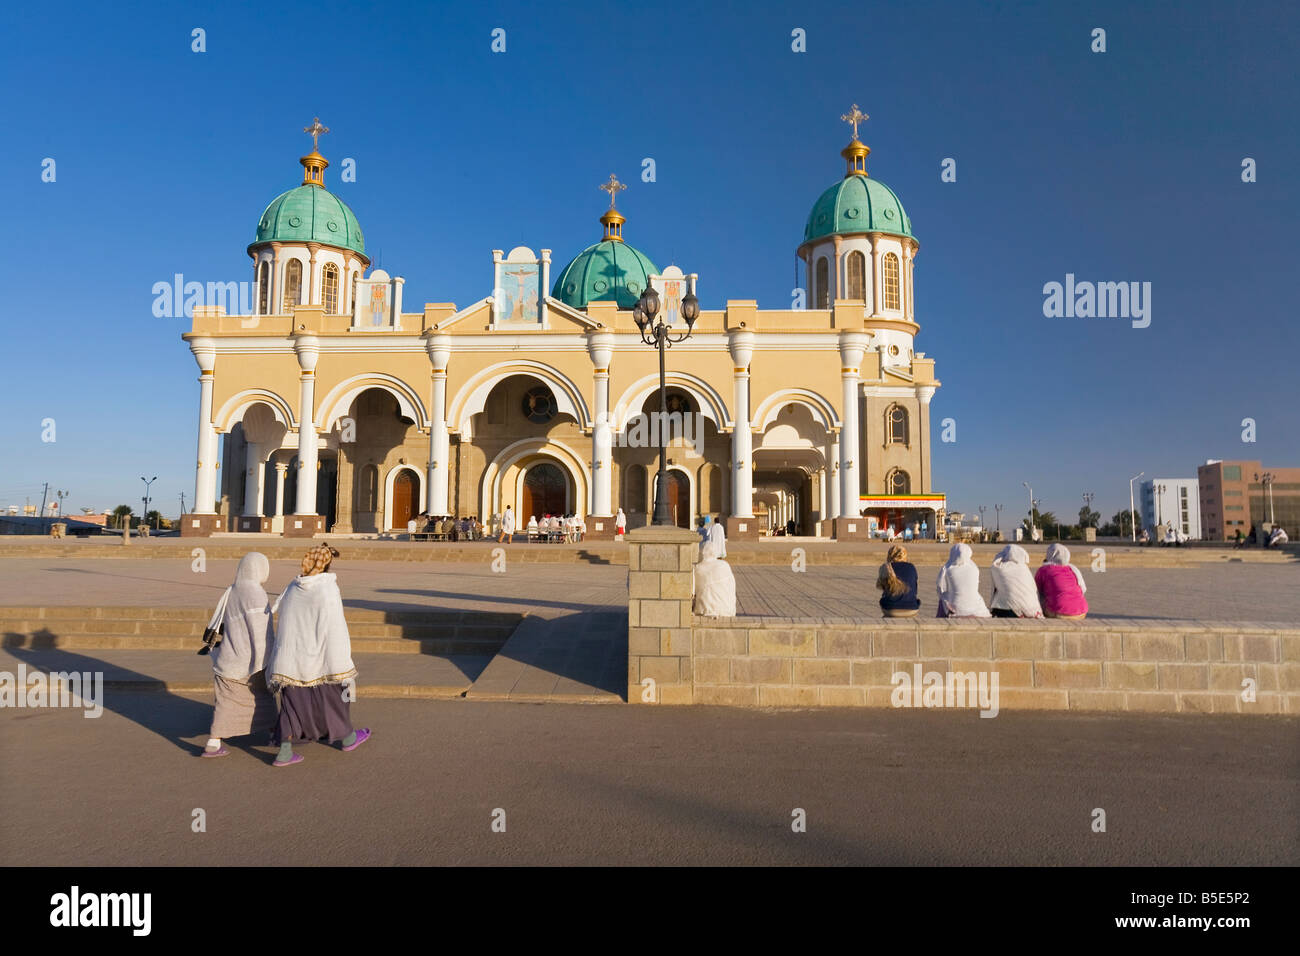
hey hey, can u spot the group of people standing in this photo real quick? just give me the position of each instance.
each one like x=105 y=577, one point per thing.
x=306 y=657
x=1055 y=590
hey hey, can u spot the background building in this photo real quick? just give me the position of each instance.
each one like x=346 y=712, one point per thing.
x=1239 y=495
x=1176 y=500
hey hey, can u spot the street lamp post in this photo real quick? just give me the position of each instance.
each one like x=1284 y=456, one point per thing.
x=1132 y=511
x=1087 y=503
x=998 y=509
x=62 y=495
x=655 y=332
x=1267 y=480
x=144 y=515
x=1156 y=492
x=982 y=509
x=1031 y=510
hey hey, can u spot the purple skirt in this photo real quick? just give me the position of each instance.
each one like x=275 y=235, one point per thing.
x=313 y=713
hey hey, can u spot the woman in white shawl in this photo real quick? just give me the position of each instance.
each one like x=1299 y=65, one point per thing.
x=311 y=661
x=959 y=586
x=719 y=538
x=715 y=584
x=243 y=705
x=620 y=523
x=1014 y=591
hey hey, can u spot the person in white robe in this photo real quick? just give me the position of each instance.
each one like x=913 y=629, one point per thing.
x=719 y=537
x=1014 y=592
x=959 y=586
x=244 y=704
x=715 y=583
x=620 y=523
x=507 y=526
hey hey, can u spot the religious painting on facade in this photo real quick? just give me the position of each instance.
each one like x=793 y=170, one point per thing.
x=377 y=304
x=672 y=287
x=519 y=292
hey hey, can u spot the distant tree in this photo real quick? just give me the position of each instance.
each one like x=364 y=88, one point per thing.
x=1088 y=518
x=120 y=513
x=1121 y=524
x=154 y=519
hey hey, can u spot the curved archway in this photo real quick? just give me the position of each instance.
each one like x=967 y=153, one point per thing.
x=235 y=407
x=472 y=396
x=338 y=400
x=706 y=396
x=501 y=478
x=823 y=411
x=412 y=497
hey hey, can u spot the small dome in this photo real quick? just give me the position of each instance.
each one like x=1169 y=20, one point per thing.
x=310 y=214
x=611 y=270
x=855 y=204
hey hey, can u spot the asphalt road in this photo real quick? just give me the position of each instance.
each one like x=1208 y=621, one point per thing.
x=643 y=785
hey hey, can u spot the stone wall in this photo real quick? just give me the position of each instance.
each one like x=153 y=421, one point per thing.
x=1097 y=665
x=660 y=585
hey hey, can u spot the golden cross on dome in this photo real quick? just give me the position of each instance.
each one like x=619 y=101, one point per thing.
x=613 y=187
x=855 y=116
x=316 y=130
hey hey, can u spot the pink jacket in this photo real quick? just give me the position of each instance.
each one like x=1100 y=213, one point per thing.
x=1060 y=591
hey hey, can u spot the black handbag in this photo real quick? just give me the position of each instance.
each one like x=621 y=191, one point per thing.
x=212 y=637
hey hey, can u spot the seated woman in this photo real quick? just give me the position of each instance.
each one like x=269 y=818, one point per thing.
x=1014 y=591
x=897 y=584
x=1060 y=585
x=715 y=584
x=959 y=586
x=532 y=528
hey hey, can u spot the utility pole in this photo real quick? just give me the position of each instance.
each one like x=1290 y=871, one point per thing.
x=44 y=494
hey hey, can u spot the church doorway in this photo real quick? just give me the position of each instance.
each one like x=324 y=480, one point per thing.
x=679 y=498
x=546 y=491
x=406 y=499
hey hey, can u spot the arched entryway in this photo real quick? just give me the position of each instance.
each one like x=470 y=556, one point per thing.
x=679 y=498
x=404 y=499
x=545 y=491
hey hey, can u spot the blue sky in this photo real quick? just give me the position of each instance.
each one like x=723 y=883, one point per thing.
x=1120 y=166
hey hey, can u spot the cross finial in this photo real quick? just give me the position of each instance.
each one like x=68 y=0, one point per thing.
x=316 y=130
x=613 y=187
x=855 y=116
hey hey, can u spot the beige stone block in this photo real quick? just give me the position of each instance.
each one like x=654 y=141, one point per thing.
x=1073 y=674
x=1262 y=704
x=643 y=584
x=721 y=641
x=1129 y=675
x=660 y=613
x=1228 y=677
x=1153 y=647
x=1017 y=699
x=936 y=644
x=675 y=641
x=876 y=672
x=633 y=613
x=664 y=670
x=880 y=697
x=676 y=694
x=727 y=695
x=779 y=695
x=841 y=643
x=686 y=555
x=658 y=557
x=782 y=642
x=842 y=696
x=1010 y=673
x=1288 y=677
x=633 y=670
x=972 y=644
x=1097 y=700
x=1203 y=647
x=1162 y=701
x=761 y=670
x=894 y=643
x=643 y=640
x=1184 y=676
x=634 y=558
x=1290 y=647
x=1193 y=703
x=676 y=585
x=1093 y=646
x=1262 y=648
x=712 y=670
x=1028 y=646
x=822 y=672
x=938 y=666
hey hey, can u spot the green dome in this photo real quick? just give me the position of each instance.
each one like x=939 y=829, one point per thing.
x=857 y=204
x=609 y=270
x=310 y=214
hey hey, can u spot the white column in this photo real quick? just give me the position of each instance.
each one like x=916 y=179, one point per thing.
x=741 y=344
x=205 y=477
x=277 y=522
x=833 y=466
x=308 y=349
x=255 y=469
x=544 y=291
x=600 y=346
x=439 y=348
x=821 y=495
x=852 y=346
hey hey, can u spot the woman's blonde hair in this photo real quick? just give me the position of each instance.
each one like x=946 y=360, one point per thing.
x=887 y=580
x=317 y=560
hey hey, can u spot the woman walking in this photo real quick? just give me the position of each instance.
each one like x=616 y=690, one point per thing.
x=243 y=705
x=897 y=584
x=311 y=661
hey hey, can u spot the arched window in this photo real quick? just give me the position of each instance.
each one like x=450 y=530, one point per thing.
x=896 y=426
x=329 y=288
x=264 y=289
x=353 y=304
x=292 y=284
x=890 y=270
x=897 y=482
x=822 y=287
x=857 y=275
x=634 y=490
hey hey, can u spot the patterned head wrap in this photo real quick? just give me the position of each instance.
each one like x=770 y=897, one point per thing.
x=318 y=559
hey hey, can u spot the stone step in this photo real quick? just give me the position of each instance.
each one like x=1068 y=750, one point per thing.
x=487 y=645
x=355 y=616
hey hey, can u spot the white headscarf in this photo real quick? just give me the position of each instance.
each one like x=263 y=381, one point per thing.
x=715 y=582
x=247 y=616
x=620 y=519
x=959 y=584
x=312 y=644
x=718 y=538
x=1060 y=554
x=1013 y=583
x=958 y=555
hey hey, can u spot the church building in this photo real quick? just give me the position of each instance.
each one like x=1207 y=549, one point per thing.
x=331 y=409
